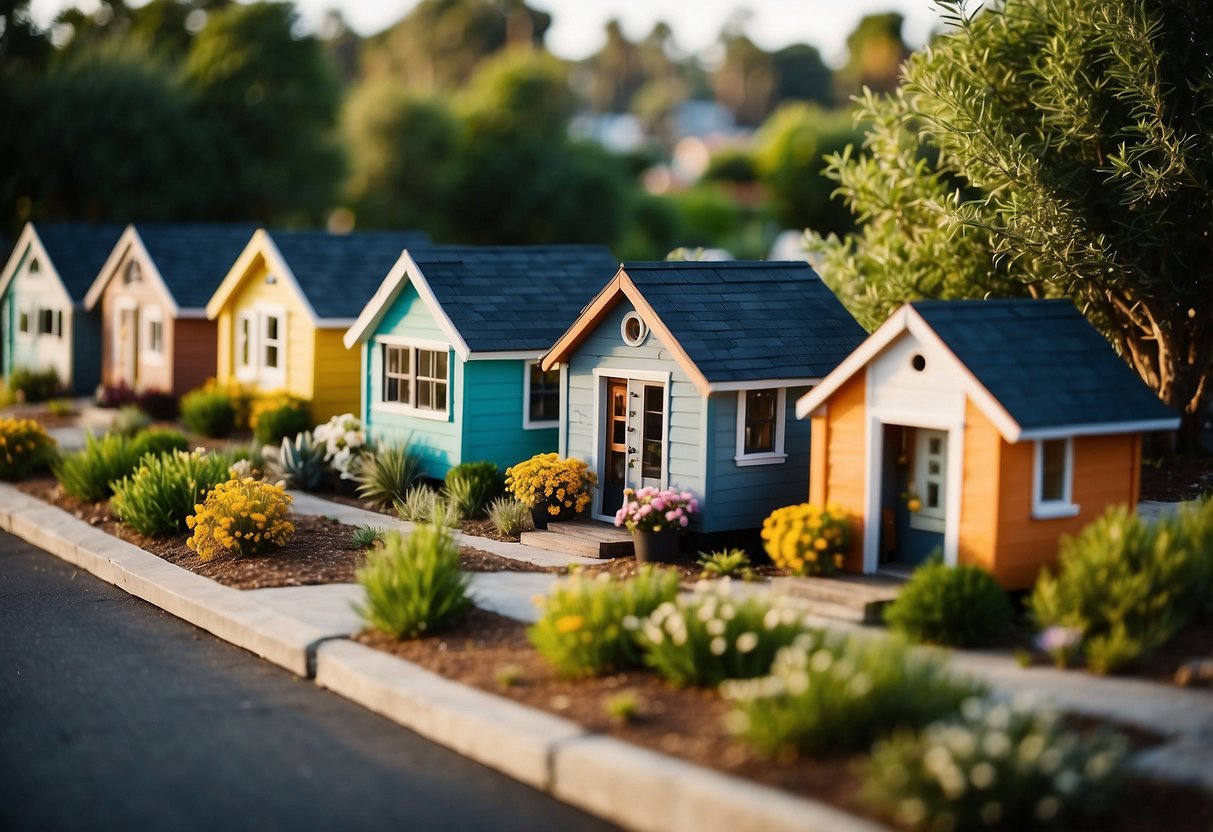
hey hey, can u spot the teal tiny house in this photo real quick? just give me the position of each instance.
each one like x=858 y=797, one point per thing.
x=43 y=322
x=686 y=375
x=450 y=347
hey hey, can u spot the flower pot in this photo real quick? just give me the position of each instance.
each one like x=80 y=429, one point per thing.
x=656 y=547
x=540 y=516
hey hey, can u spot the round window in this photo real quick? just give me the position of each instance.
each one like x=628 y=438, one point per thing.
x=633 y=330
x=918 y=362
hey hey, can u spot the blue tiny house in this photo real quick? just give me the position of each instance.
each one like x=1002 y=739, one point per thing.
x=43 y=322
x=686 y=375
x=451 y=343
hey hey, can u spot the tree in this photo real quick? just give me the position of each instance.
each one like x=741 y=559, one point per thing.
x=1075 y=158
x=745 y=81
x=875 y=52
x=801 y=74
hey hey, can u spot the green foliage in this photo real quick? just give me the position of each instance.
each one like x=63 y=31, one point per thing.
x=588 y=626
x=301 y=463
x=623 y=707
x=286 y=419
x=208 y=411
x=994 y=766
x=88 y=474
x=29 y=385
x=385 y=475
x=129 y=420
x=1128 y=586
x=158 y=441
x=422 y=504
x=471 y=485
x=708 y=637
x=414 y=584
x=710 y=216
x=157 y=496
x=25 y=446
x=724 y=563
x=367 y=536
x=831 y=694
x=509 y=517
x=958 y=606
x=241 y=517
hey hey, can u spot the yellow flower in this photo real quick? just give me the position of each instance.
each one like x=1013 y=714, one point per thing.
x=569 y=623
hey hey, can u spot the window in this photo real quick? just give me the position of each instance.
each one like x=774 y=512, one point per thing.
x=397 y=372
x=633 y=330
x=542 y=396
x=760 y=426
x=133 y=273
x=34 y=267
x=50 y=322
x=271 y=342
x=415 y=377
x=244 y=342
x=153 y=337
x=259 y=346
x=431 y=380
x=1052 y=477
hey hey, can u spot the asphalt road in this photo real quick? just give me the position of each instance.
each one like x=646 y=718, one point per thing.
x=116 y=715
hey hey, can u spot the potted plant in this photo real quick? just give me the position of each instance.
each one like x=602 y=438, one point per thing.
x=656 y=518
x=807 y=539
x=553 y=488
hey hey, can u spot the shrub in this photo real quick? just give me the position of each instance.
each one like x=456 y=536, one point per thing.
x=25 y=446
x=588 y=627
x=208 y=411
x=366 y=536
x=724 y=563
x=342 y=438
x=156 y=498
x=961 y=606
x=708 y=637
x=1127 y=586
x=129 y=420
x=88 y=474
x=422 y=504
x=61 y=407
x=158 y=441
x=158 y=404
x=471 y=485
x=29 y=385
x=508 y=516
x=995 y=766
x=559 y=486
x=385 y=475
x=301 y=463
x=414 y=584
x=806 y=538
x=654 y=509
x=828 y=693
x=241 y=516
x=116 y=395
x=277 y=416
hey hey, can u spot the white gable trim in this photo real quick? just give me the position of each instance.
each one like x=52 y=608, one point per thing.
x=130 y=240
x=1104 y=429
x=761 y=384
x=31 y=243
x=853 y=363
x=260 y=244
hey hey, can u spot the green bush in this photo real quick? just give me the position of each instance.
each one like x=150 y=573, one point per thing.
x=414 y=584
x=34 y=385
x=588 y=626
x=471 y=485
x=959 y=606
x=724 y=563
x=1128 y=586
x=208 y=411
x=708 y=637
x=301 y=463
x=422 y=504
x=25 y=446
x=996 y=766
x=508 y=516
x=88 y=474
x=366 y=536
x=279 y=417
x=829 y=693
x=158 y=441
x=386 y=474
x=157 y=496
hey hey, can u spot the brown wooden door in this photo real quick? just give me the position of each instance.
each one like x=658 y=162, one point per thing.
x=613 y=477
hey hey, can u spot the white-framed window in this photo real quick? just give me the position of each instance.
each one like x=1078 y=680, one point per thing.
x=152 y=342
x=23 y=322
x=633 y=329
x=271 y=341
x=1053 y=479
x=259 y=341
x=761 y=418
x=244 y=344
x=50 y=322
x=415 y=379
x=540 y=397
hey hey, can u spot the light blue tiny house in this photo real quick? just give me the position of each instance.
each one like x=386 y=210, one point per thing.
x=43 y=322
x=451 y=343
x=686 y=375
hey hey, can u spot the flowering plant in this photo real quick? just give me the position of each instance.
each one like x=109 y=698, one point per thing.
x=24 y=446
x=807 y=538
x=563 y=485
x=654 y=509
x=243 y=517
x=342 y=437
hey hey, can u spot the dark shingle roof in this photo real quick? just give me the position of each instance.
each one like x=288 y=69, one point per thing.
x=338 y=273
x=503 y=298
x=78 y=251
x=194 y=259
x=750 y=320
x=1043 y=362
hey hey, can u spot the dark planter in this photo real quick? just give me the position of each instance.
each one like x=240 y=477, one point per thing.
x=540 y=516
x=656 y=547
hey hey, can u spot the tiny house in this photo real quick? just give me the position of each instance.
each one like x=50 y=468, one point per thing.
x=284 y=305
x=686 y=374
x=42 y=289
x=151 y=296
x=451 y=343
x=980 y=431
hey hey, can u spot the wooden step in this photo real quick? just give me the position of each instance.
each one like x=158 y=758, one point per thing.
x=866 y=595
x=611 y=542
x=571 y=544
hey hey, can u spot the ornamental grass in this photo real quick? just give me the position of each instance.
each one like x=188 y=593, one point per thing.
x=241 y=517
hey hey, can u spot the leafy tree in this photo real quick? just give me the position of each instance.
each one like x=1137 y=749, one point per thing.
x=875 y=52
x=23 y=49
x=801 y=74
x=745 y=81
x=1075 y=157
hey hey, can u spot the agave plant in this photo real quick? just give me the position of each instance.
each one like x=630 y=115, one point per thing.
x=301 y=463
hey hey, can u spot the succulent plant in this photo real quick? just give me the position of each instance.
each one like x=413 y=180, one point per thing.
x=301 y=463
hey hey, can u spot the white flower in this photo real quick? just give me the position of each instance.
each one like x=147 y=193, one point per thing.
x=983 y=775
x=997 y=744
x=860 y=685
x=717 y=646
x=630 y=623
x=1066 y=781
x=1048 y=808
x=747 y=642
x=652 y=632
x=821 y=661
x=715 y=627
x=911 y=812
x=771 y=620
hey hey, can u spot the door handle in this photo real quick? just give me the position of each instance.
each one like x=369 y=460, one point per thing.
x=631 y=450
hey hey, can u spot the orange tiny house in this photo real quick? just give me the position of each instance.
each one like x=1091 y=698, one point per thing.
x=981 y=430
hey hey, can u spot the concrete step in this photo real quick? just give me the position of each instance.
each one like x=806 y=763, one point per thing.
x=835 y=612
x=865 y=595
x=572 y=545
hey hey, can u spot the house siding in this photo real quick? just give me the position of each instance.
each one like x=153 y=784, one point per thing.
x=194 y=344
x=335 y=385
x=494 y=412
x=841 y=435
x=981 y=491
x=41 y=352
x=145 y=293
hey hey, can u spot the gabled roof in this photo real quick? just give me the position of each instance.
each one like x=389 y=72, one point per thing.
x=76 y=252
x=1036 y=368
x=188 y=260
x=731 y=324
x=334 y=274
x=494 y=299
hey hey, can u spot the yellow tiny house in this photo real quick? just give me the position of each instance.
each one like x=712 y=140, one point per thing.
x=980 y=431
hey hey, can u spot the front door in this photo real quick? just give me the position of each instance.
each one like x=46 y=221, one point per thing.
x=614 y=474
x=127 y=345
x=633 y=440
x=913 y=494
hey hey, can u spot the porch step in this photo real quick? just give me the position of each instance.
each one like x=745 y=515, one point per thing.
x=581 y=537
x=859 y=598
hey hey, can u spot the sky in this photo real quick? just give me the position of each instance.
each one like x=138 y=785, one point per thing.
x=577 y=25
